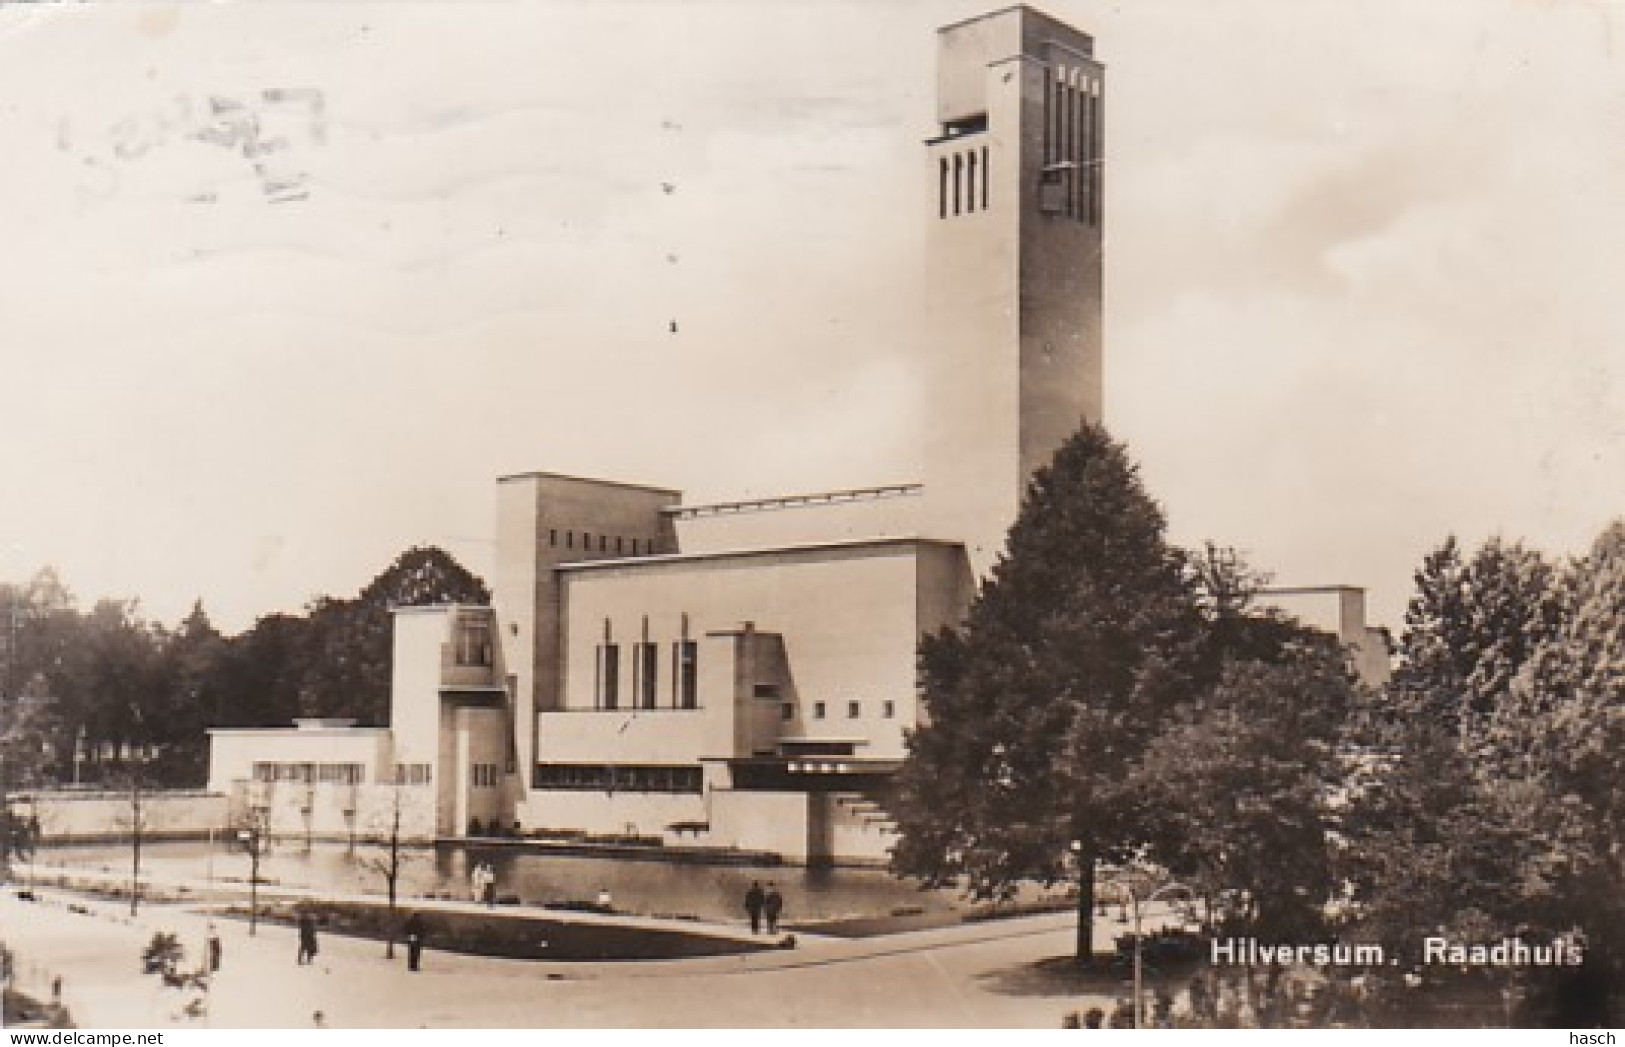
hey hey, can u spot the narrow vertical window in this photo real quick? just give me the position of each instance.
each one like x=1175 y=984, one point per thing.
x=942 y=188
x=1049 y=105
x=970 y=184
x=553 y=537
x=959 y=179
x=685 y=656
x=610 y=676
x=649 y=670
x=1070 y=130
x=1055 y=122
x=1086 y=183
x=569 y=539
x=987 y=176
x=1096 y=152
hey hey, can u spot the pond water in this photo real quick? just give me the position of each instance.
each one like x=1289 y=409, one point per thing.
x=644 y=887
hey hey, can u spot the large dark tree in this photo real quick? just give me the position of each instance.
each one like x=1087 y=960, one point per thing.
x=1087 y=633
x=1470 y=627
x=1238 y=790
x=1490 y=804
x=348 y=643
x=120 y=691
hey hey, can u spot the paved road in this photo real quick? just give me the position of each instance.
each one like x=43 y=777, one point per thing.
x=972 y=976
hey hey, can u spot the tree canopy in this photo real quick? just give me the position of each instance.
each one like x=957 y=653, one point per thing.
x=105 y=689
x=1493 y=803
x=1097 y=666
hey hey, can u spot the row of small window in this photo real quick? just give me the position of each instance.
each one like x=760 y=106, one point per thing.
x=483 y=776
x=645 y=690
x=958 y=190
x=606 y=543
x=1072 y=137
x=336 y=773
x=854 y=710
x=632 y=778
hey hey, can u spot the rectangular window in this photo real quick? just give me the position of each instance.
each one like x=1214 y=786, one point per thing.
x=553 y=537
x=853 y=710
x=648 y=657
x=888 y=708
x=645 y=778
x=569 y=539
x=787 y=711
x=818 y=710
x=685 y=655
x=473 y=646
x=766 y=690
x=609 y=676
x=413 y=774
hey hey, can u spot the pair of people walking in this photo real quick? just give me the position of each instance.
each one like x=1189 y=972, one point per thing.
x=483 y=881
x=764 y=907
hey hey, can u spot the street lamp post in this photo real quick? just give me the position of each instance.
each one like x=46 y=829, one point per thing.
x=1135 y=901
x=252 y=838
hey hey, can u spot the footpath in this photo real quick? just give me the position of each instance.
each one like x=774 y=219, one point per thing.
x=959 y=976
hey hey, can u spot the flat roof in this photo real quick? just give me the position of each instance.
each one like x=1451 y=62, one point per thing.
x=437 y=608
x=797 y=501
x=538 y=475
x=302 y=732
x=772 y=550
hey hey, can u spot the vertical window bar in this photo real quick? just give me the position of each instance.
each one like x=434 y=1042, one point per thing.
x=1097 y=152
x=1049 y=138
x=986 y=177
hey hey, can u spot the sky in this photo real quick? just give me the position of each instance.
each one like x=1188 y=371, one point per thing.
x=284 y=288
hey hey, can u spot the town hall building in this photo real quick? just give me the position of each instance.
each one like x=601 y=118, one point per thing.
x=742 y=674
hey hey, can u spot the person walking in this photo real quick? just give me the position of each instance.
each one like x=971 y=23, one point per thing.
x=490 y=886
x=212 y=949
x=415 y=933
x=772 y=906
x=307 y=938
x=754 y=900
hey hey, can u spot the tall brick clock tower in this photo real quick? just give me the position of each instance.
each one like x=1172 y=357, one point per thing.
x=1013 y=300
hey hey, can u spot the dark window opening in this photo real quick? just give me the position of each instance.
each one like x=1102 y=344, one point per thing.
x=609 y=676
x=685 y=655
x=636 y=778
x=648 y=669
